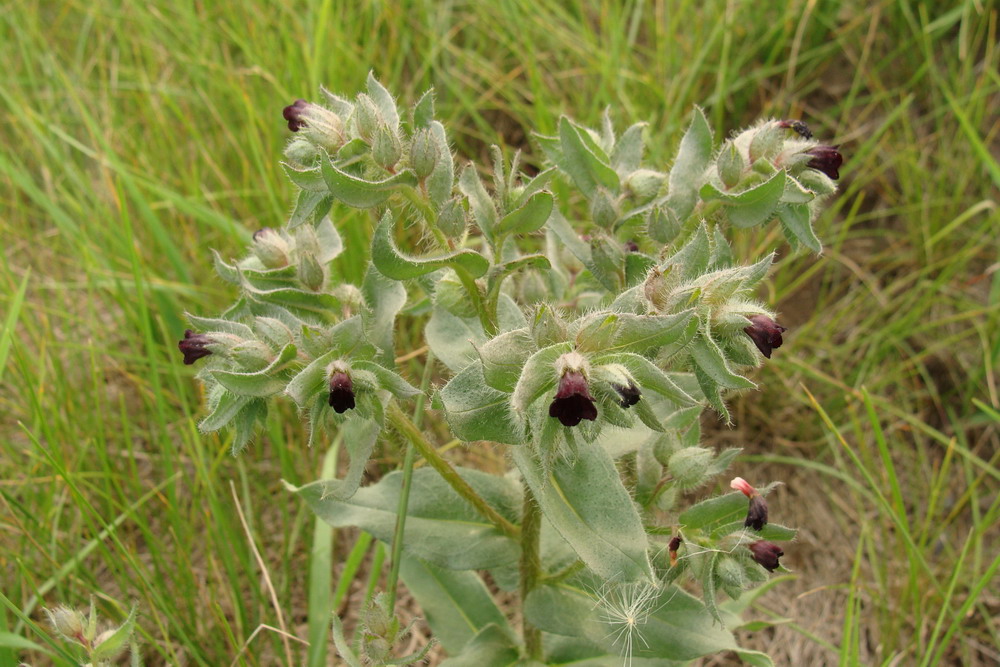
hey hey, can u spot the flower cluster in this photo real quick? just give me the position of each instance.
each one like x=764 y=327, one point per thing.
x=589 y=334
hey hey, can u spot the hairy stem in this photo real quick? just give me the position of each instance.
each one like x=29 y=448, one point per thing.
x=531 y=568
x=412 y=433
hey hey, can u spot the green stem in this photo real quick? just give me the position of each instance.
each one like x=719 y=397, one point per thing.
x=469 y=283
x=404 y=492
x=531 y=568
x=410 y=431
x=420 y=202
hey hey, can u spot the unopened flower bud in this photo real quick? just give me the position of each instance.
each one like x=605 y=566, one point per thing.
x=194 y=346
x=451 y=219
x=757 y=511
x=301 y=151
x=319 y=125
x=271 y=248
x=826 y=159
x=797 y=126
x=629 y=394
x=573 y=402
x=603 y=209
x=423 y=154
x=730 y=165
x=67 y=622
x=386 y=147
x=645 y=184
x=766 y=553
x=311 y=273
x=367 y=117
x=765 y=333
x=766 y=142
x=341 y=392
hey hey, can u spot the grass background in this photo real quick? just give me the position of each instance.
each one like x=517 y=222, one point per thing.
x=137 y=136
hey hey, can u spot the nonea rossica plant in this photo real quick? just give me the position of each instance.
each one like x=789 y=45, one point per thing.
x=586 y=333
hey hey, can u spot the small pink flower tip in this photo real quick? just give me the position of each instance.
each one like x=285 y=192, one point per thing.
x=742 y=486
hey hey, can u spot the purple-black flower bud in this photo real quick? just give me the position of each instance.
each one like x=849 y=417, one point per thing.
x=631 y=246
x=341 y=392
x=672 y=546
x=757 y=512
x=194 y=346
x=765 y=333
x=629 y=395
x=573 y=402
x=797 y=126
x=293 y=114
x=826 y=159
x=766 y=553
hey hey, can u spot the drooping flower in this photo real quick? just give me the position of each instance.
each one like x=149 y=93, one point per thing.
x=757 y=512
x=765 y=333
x=194 y=346
x=341 y=392
x=293 y=114
x=672 y=547
x=766 y=553
x=629 y=394
x=573 y=402
x=318 y=124
x=826 y=159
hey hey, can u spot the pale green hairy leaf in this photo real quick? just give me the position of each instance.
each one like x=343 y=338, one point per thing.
x=583 y=497
x=457 y=605
x=394 y=264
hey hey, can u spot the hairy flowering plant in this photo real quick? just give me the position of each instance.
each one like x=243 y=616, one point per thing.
x=586 y=332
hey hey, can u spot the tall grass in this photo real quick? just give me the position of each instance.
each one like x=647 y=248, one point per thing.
x=137 y=136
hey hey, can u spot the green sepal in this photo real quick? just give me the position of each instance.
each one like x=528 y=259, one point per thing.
x=423 y=110
x=503 y=358
x=476 y=411
x=796 y=223
x=384 y=101
x=529 y=217
x=583 y=160
x=706 y=353
x=687 y=173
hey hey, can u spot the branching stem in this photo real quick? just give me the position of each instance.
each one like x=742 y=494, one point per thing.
x=412 y=433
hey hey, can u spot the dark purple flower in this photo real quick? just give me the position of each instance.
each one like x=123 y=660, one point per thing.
x=672 y=547
x=341 y=392
x=767 y=554
x=631 y=246
x=293 y=114
x=765 y=333
x=757 y=512
x=826 y=159
x=573 y=402
x=797 y=126
x=194 y=346
x=630 y=395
